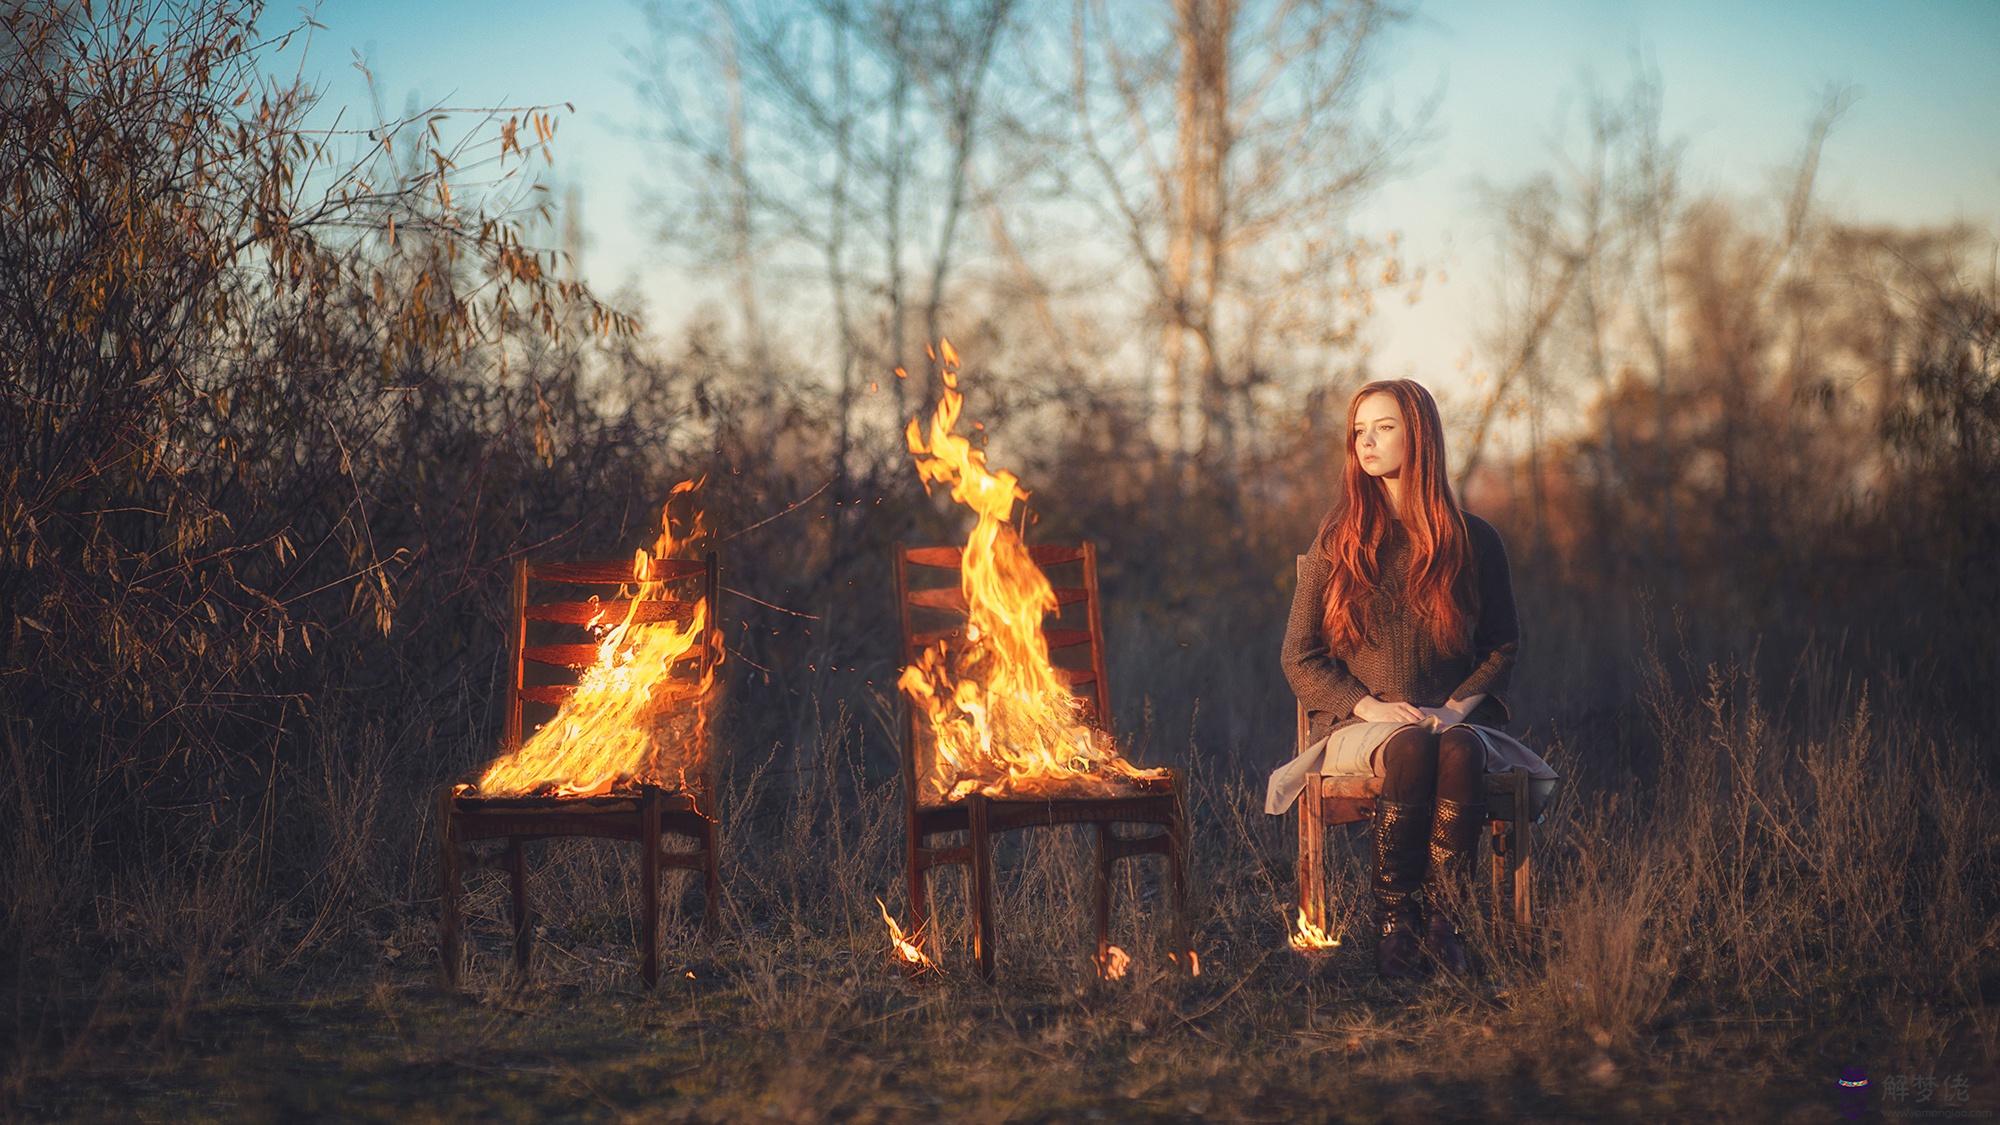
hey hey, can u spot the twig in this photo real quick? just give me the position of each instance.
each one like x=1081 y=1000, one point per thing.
x=768 y=605
x=793 y=507
x=1241 y=980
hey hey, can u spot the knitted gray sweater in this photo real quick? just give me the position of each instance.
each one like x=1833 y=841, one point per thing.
x=1401 y=665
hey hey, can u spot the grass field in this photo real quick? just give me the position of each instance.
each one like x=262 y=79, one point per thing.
x=1715 y=948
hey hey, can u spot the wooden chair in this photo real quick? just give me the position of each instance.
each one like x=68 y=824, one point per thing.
x=1076 y=646
x=645 y=815
x=1332 y=800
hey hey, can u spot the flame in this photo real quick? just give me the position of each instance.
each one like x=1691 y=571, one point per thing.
x=1002 y=720
x=904 y=948
x=1194 y=962
x=1113 y=962
x=631 y=721
x=1308 y=937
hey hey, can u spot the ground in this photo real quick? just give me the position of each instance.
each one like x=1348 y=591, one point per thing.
x=1264 y=1035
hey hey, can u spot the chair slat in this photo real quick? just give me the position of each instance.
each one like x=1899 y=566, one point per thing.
x=649 y=611
x=952 y=598
x=556 y=694
x=1057 y=638
x=584 y=656
x=1077 y=677
x=926 y=638
x=941 y=597
x=561 y=656
x=1066 y=638
x=612 y=573
x=951 y=558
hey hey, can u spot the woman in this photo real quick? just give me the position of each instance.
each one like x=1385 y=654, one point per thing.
x=1401 y=639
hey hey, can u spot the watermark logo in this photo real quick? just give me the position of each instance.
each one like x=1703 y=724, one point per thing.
x=1853 y=1093
x=1910 y=1096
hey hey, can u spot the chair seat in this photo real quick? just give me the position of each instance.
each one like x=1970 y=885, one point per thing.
x=608 y=817
x=672 y=800
x=1151 y=802
x=1346 y=798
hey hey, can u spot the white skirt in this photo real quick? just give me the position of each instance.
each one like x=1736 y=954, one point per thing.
x=1353 y=751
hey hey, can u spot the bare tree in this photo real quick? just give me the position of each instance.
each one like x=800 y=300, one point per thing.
x=1246 y=205
x=847 y=137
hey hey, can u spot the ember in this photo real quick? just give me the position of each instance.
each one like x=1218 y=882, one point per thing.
x=1003 y=721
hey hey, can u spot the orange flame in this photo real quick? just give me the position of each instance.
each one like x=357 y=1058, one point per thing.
x=1002 y=720
x=631 y=719
x=900 y=943
x=1308 y=937
x=1113 y=963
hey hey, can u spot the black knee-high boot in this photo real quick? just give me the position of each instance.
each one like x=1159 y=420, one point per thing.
x=1454 y=841
x=1402 y=830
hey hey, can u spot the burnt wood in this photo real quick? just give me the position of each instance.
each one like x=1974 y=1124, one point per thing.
x=1157 y=805
x=646 y=815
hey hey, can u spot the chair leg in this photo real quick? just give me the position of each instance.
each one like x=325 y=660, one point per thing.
x=1499 y=834
x=920 y=909
x=711 y=874
x=649 y=889
x=449 y=953
x=982 y=886
x=517 y=882
x=1177 y=886
x=1100 y=888
x=1523 y=856
x=1312 y=857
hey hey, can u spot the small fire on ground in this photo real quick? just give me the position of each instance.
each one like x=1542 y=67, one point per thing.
x=1001 y=718
x=903 y=945
x=632 y=721
x=1307 y=937
x=1113 y=963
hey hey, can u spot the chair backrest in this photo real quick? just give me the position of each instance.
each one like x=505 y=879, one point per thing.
x=931 y=610
x=548 y=664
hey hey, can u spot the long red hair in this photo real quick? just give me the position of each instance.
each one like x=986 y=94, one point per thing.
x=1438 y=589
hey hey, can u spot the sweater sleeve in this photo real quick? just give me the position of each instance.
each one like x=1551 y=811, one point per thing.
x=1319 y=679
x=1496 y=636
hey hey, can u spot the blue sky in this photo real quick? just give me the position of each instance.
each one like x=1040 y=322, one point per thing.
x=1920 y=144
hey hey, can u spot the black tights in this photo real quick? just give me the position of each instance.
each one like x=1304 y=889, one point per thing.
x=1420 y=765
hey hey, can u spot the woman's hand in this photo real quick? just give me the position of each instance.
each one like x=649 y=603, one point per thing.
x=1376 y=711
x=1439 y=718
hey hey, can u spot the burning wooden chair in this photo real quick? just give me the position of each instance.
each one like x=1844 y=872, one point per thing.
x=644 y=810
x=1076 y=644
x=1331 y=800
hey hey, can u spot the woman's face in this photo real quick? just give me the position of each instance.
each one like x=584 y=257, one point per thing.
x=1380 y=439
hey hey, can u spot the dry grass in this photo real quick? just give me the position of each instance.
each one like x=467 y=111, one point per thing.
x=1708 y=945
